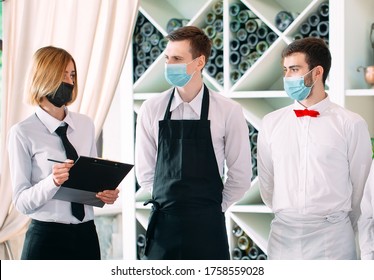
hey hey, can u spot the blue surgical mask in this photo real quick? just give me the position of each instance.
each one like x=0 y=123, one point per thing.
x=295 y=87
x=176 y=74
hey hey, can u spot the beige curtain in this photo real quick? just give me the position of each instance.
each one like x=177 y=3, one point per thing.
x=97 y=33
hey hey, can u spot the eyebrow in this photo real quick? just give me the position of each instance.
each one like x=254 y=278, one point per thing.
x=292 y=67
x=174 y=56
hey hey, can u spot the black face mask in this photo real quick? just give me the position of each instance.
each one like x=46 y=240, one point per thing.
x=62 y=96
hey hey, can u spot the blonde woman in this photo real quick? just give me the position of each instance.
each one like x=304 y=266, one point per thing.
x=56 y=230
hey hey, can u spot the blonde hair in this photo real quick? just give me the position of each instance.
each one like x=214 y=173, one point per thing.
x=48 y=72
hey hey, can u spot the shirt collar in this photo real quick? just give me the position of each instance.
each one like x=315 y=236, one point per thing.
x=194 y=103
x=320 y=106
x=52 y=123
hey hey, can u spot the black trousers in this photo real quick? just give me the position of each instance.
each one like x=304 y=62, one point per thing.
x=55 y=241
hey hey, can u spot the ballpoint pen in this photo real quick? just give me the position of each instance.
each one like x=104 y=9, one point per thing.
x=54 y=160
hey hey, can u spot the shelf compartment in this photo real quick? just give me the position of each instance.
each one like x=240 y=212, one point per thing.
x=252 y=196
x=142 y=216
x=255 y=225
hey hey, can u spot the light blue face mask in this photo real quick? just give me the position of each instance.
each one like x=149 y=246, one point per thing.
x=296 y=88
x=176 y=74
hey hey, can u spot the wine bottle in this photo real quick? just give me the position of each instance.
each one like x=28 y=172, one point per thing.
x=261 y=47
x=162 y=44
x=175 y=23
x=305 y=28
x=213 y=54
x=218 y=8
x=254 y=137
x=241 y=34
x=237 y=254
x=253 y=57
x=323 y=28
x=154 y=39
x=253 y=162
x=283 y=19
x=244 y=15
x=314 y=33
x=237 y=231
x=218 y=41
x=253 y=252
x=147 y=29
x=140 y=19
x=146 y=46
x=210 y=31
x=251 y=129
x=210 y=18
x=262 y=257
x=235 y=75
x=234 y=9
x=234 y=44
x=139 y=39
x=244 y=66
x=254 y=151
x=262 y=31
x=139 y=70
x=211 y=69
x=251 y=26
x=245 y=258
x=244 y=50
x=140 y=55
x=234 y=58
x=140 y=241
x=297 y=36
x=271 y=37
x=314 y=20
x=147 y=62
x=244 y=243
x=218 y=25
x=252 y=40
x=155 y=52
x=219 y=78
x=218 y=61
x=234 y=26
x=323 y=10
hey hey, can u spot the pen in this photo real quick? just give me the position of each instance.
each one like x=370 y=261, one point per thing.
x=58 y=161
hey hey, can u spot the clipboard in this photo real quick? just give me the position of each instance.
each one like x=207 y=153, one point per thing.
x=89 y=176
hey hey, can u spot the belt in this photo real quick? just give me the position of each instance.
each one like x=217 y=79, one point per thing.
x=309 y=219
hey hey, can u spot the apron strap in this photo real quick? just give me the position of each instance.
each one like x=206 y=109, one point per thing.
x=204 y=105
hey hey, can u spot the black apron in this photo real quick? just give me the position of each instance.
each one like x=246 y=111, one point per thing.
x=186 y=221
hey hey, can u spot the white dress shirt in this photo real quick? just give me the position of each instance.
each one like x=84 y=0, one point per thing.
x=366 y=221
x=314 y=166
x=229 y=136
x=31 y=143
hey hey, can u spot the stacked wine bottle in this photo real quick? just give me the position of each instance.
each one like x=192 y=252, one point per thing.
x=251 y=37
x=148 y=44
x=316 y=25
x=140 y=245
x=213 y=28
x=245 y=248
x=253 y=133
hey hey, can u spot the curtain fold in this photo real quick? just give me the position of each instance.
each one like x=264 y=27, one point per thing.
x=96 y=32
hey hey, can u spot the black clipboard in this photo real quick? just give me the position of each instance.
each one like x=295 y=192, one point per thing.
x=89 y=176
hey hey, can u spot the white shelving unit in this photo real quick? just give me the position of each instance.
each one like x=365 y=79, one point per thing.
x=260 y=89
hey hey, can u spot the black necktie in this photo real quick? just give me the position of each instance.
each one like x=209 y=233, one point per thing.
x=76 y=208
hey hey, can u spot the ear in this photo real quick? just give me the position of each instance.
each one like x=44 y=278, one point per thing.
x=319 y=71
x=201 y=62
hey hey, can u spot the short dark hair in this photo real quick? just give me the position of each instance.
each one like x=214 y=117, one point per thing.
x=316 y=53
x=199 y=41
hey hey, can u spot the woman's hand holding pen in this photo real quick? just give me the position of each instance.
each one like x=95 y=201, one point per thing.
x=60 y=171
x=108 y=196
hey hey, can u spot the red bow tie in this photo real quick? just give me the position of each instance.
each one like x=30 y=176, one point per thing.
x=306 y=112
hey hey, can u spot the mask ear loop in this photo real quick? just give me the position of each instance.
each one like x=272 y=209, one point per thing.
x=312 y=77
